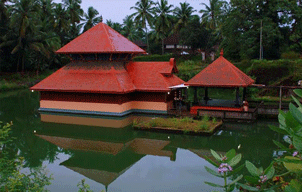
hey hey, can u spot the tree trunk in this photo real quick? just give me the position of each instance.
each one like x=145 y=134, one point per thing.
x=147 y=39
x=163 y=46
x=18 y=63
x=23 y=61
x=38 y=69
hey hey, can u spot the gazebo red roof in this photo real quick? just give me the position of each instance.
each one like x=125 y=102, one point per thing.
x=89 y=77
x=100 y=39
x=220 y=73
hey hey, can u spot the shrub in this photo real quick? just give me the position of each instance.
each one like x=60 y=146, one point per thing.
x=290 y=55
x=11 y=178
x=205 y=118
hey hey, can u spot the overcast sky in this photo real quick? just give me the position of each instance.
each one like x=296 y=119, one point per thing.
x=116 y=10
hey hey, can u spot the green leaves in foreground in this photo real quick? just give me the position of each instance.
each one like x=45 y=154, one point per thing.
x=259 y=177
x=224 y=165
x=290 y=125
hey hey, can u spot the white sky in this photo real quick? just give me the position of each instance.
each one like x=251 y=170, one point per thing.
x=116 y=10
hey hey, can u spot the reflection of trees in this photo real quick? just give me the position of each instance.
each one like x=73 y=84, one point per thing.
x=21 y=108
x=11 y=179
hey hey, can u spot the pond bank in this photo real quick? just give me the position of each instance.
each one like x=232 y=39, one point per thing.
x=14 y=81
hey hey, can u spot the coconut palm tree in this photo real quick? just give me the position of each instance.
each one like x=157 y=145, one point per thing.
x=23 y=25
x=62 y=24
x=75 y=13
x=163 y=20
x=74 y=10
x=46 y=9
x=3 y=10
x=4 y=17
x=144 y=15
x=114 y=25
x=91 y=18
x=183 y=15
x=211 y=14
x=129 y=29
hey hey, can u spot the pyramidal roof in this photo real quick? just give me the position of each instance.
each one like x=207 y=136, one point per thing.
x=100 y=39
x=221 y=73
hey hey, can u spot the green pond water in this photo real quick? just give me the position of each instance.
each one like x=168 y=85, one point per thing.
x=126 y=159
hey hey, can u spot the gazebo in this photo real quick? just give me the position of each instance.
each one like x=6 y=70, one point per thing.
x=219 y=74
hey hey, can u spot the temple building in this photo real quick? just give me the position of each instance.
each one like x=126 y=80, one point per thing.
x=102 y=78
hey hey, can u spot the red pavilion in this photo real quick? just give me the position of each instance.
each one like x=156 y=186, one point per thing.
x=219 y=74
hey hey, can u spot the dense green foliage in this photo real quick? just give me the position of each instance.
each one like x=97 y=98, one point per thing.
x=30 y=30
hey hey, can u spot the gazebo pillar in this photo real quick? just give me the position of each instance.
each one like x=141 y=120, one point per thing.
x=206 y=94
x=195 y=95
x=237 y=97
x=244 y=94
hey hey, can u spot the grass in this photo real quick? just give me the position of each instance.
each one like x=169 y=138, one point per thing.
x=13 y=81
x=185 y=124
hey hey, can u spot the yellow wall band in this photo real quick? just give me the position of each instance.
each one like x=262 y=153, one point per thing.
x=104 y=107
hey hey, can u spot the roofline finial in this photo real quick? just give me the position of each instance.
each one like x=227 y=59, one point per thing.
x=221 y=52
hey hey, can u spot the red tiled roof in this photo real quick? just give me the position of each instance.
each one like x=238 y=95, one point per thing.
x=100 y=39
x=87 y=77
x=153 y=76
x=90 y=77
x=221 y=73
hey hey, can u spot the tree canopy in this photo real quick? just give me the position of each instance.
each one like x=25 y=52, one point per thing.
x=31 y=30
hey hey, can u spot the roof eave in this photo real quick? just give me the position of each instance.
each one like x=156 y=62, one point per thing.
x=81 y=91
x=99 y=52
x=221 y=86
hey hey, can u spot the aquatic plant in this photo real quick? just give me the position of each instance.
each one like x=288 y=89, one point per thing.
x=214 y=120
x=205 y=118
x=259 y=178
x=225 y=168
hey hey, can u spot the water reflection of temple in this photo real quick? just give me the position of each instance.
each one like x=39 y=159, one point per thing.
x=104 y=154
x=105 y=159
x=89 y=120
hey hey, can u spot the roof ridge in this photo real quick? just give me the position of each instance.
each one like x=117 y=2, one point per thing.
x=165 y=80
x=108 y=38
x=244 y=77
x=114 y=74
x=234 y=68
x=126 y=68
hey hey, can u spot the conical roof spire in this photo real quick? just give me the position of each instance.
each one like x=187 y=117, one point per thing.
x=221 y=52
x=100 y=39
